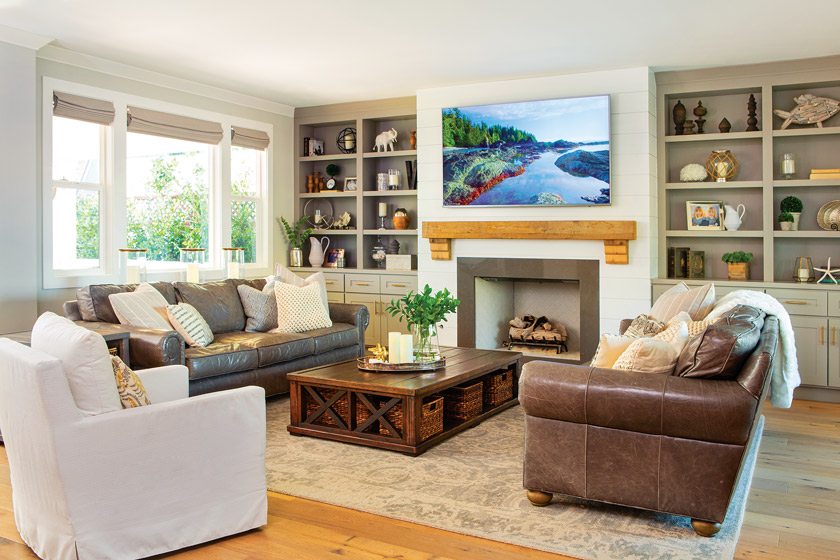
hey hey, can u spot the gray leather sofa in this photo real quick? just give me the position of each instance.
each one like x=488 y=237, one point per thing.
x=235 y=358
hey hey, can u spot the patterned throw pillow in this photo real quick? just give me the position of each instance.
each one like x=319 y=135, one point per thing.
x=657 y=354
x=697 y=302
x=131 y=390
x=260 y=307
x=694 y=327
x=644 y=326
x=283 y=274
x=610 y=349
x=144 y=307
x=300 y=309
x=190 y=324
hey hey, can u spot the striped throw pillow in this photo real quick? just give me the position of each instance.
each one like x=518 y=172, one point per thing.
x=190 y=324
x=144 y=307
x=131 y=390
x=697 y=302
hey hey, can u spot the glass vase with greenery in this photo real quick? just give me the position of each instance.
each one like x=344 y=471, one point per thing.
x=422 y=311
x=297 y=236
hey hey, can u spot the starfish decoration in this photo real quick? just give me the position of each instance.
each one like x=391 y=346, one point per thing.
x=828 y=272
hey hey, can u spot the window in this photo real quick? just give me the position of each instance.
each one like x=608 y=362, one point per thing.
x=77 y=190
x=127 y=172
x=167 y=195
x=246 y=167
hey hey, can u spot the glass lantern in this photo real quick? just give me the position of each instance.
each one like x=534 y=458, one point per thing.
x=191 y=265
x=393 y=179
x=234 y=261
x=803 y=270
x=788 y=166
x=722 y=165
x=378 y=253
x=132 y=266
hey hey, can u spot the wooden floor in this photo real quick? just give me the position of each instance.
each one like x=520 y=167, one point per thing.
x=793 y=511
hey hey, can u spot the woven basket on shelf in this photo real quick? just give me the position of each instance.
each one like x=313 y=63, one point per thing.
x=431 y=421
x=341 y=407
x=498 y=388
x=464 y=402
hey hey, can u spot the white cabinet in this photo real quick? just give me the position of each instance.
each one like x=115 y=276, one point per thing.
x=810 y=333
x=834 y=353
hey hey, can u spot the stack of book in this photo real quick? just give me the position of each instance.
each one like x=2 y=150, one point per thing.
x=825 y=174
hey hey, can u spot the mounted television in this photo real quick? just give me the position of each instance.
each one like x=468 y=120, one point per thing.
x=536 y=153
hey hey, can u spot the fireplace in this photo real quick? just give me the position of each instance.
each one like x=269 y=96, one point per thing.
x=494 y=291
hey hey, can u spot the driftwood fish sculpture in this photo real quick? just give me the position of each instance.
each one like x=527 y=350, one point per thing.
x=809 y=109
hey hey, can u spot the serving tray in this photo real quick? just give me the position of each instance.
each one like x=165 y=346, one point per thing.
x=379 y=367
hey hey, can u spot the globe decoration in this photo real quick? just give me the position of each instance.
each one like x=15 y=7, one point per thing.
x=347 y=141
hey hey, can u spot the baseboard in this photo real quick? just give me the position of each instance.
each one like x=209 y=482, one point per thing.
x=817 y=394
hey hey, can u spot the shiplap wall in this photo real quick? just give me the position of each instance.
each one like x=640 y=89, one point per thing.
x=624 y=289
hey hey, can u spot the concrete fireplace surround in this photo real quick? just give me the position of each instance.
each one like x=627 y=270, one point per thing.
x=585 y=272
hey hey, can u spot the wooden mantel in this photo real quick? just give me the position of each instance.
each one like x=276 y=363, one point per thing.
x=615 y=234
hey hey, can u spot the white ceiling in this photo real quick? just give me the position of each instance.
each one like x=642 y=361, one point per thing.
x=306 y=52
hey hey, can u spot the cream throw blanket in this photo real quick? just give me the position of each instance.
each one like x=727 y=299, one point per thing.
x=785 y=371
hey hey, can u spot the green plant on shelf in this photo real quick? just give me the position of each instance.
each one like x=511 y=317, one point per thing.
x=785 y=217
x=297 y=235
x=791 y=204
x=332 y=170
x=737 y=257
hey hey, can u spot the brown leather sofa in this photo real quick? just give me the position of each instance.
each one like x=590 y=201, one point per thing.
x=666 y=443
x=235 y=358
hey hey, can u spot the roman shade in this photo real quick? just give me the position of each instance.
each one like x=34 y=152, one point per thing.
x=248 y=138
x=146 y=121
x=82 y=108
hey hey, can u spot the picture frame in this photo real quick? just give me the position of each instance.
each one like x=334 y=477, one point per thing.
x=350 y=183
x=704 y=215
x=332 y=257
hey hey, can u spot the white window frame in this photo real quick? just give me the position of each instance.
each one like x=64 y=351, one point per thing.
x=263 y=220
x=113 y=220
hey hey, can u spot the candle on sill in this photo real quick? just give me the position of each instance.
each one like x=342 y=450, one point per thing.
x=132 y=274
x=394 y=347
x=406 y=349
x=192 y=273
x=383 y=209
x=233 y=270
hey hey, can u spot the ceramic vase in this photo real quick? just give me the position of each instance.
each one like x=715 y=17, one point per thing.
x=795 y=226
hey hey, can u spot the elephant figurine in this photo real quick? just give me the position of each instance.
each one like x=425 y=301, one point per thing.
x=385 y=140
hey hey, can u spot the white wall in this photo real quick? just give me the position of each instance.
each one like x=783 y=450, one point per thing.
x=18 y=252
x=163 y=88
x=624 y=289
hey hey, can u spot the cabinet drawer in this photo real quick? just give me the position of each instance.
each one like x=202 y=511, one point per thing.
x=834 y=304
x=802 y=302
x=362 y=283
x=335 y=282
x=399 y=285
x=335 y=297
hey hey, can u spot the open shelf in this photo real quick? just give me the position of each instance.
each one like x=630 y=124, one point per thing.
x=708 y=185
x=713 y=137
x=402 y=192
x=335 y=232
x=808 y=234
x=328 y=157
x=786 y=183
x=712 y=233
x=412 y=232
x=812 y=131
x=328 y=194
x=396 y=153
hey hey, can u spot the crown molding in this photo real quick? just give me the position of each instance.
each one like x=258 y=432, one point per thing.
x=23 y=38
x=73 y=58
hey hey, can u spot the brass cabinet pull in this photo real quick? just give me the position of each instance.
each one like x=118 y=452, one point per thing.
x=376 y=308
x=822 y=335
x=834 y=336
x=363 y=283
x=330 y=282
x=399 y=285
x=797 y=302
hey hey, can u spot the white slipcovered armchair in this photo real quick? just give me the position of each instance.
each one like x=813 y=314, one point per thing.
x=129 y=483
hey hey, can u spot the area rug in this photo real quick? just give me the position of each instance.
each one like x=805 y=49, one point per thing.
x=472 y=484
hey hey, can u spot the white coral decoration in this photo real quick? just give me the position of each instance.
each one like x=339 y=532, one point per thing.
x=693 y=172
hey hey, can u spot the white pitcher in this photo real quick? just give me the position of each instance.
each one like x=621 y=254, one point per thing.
x=733 y=217
x=317 y=251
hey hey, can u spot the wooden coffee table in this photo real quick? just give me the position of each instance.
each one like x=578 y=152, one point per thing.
x=324 y=388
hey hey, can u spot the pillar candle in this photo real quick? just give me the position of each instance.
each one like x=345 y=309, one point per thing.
x=383 y=209
x=132 y=274
x=394 y=347
x=406 y=349
x=233 y=270
x=192 y=273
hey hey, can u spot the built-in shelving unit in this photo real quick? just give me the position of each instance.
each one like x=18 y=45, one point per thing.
x=368 y=119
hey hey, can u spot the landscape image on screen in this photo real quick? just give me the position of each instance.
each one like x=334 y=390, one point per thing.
x=554 y=152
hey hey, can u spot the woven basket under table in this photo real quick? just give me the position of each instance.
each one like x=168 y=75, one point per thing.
x=498 y=388
x=463 y=402
x=341 y=407
x=431 y=419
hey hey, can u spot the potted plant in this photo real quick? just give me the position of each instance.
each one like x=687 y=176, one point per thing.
x=793 y=206
x=785 y=221
x=296 y=236
x=422 y=311
x=739 y=264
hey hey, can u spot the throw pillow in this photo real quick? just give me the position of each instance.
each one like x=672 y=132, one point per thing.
x=610 y=349
x=657 y=354
x=85 y=359
x=283 y=274
x=190 y=324
x=721 y=350
x=144 y=307
x=644 y=326
x=697 y=302
x=131 y=390
x=694 y=327
x=300 y=309
x=260 y=307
